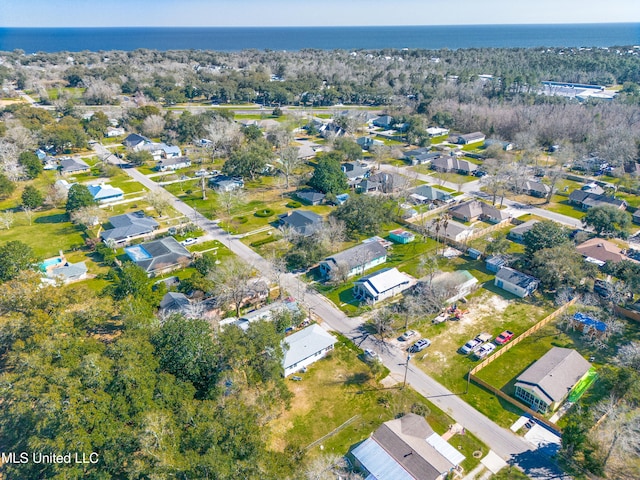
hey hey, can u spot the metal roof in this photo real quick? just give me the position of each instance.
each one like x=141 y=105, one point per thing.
x=379 y=463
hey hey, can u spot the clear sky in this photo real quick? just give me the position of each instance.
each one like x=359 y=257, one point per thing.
x=90 y=13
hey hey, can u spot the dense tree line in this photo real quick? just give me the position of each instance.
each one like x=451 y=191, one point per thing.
x=81 y=373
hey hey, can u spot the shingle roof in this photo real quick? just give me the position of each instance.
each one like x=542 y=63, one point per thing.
x=310 y=196
x=553 y=375
x=514 y=277
x=523 y=228
x=129 y=225
x=158 y=254
x=174 y=301
x=303 y=222
x=306 y=343
x=134 y=139
x=358 y=255
x=70 y=165
x=411 y=444
x=69 y=271
x=602 y=250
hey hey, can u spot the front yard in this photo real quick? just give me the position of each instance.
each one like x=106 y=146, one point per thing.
x=334 y=389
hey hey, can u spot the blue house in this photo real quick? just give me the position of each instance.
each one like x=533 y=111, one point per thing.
x=104 y=193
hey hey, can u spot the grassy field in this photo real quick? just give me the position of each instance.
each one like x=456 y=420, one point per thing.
x=489 y=310
x=50 y=231
x=340 y=386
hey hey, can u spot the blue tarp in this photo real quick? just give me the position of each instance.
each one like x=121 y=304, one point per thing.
x=591 y=322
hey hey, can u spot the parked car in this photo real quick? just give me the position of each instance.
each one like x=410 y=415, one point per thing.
x=479 y=173
x=370 y=355
x=188 y=241
x=504 y=337
x=473 y=345
x=201 y=173
x=420 y=345
x=407 y=335
x=485 y=350
x=470 y=346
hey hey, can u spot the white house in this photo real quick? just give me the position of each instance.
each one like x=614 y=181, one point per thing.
x=513 y=281
x=114 y=132
x=381 y=285
x=306 y=347
x=354 y=260
x=104 y=193
x=173 y=164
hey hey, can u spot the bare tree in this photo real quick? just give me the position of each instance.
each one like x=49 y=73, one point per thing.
x=231 y=199
x=279 y=136
x=9 y=161
x=382 y=322
x=89 y=217
x=7 y=218
x=629 y=355
x=159 y=200
x=224 y=136
x=153 y=125
x=232 y=283
x=56 y=196
x=28 y=212
x=289 y=162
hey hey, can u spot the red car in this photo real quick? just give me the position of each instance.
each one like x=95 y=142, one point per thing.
x=504 y=337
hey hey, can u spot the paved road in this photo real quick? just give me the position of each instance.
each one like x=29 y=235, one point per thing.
x=472 y=188
x=502 y=441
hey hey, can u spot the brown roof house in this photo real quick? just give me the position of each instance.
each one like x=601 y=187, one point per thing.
x=406 y=448
x=548 y=382
x=600 y=251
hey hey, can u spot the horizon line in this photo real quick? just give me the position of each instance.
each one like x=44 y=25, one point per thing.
x=326 y=26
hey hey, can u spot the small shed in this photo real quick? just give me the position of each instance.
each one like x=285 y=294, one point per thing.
x=588 y=325
x=495 y=263
x=474 y=254
x=401 y=236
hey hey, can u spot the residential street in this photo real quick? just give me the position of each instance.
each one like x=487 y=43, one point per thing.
x=506 y=444
x=473 y=189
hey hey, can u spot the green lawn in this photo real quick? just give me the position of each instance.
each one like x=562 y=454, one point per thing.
x=489 y=310
x=50 y=232
x=341 y=386
x=560 y=204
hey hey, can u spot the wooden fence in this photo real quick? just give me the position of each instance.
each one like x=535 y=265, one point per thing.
x=515 y=403
x=518 y=339
x=506 y=348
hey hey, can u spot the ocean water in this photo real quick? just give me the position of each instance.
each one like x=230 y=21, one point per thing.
x=325 y=38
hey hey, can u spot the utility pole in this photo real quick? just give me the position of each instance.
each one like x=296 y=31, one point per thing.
x=406 y=369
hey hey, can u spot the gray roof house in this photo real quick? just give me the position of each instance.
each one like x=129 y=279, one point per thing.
x=159 y=256
x=173 y=301
x=310 y=197
x=456 y=231
x=306 y=347
x=475 y=209
x=420 y=156
x=427 y=193
x=513 y=281
x=73 y=165
x=536 y=189
x=303 y=222
x=636 y=216
x=517 y=233
x=384 y=121
x=135 y=141
x=69 y=272
x=222 y=183
x=548 y=382
x=127 y=226
x=172 y=164
x=355 y=171
x=385 y=182
x=354 y=261
x=586 y=200
x=448 y=163
x=406 y=448
x=474 y=137
x=367 y=142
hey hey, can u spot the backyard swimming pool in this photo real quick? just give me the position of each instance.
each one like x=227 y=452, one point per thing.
x=50 y=262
